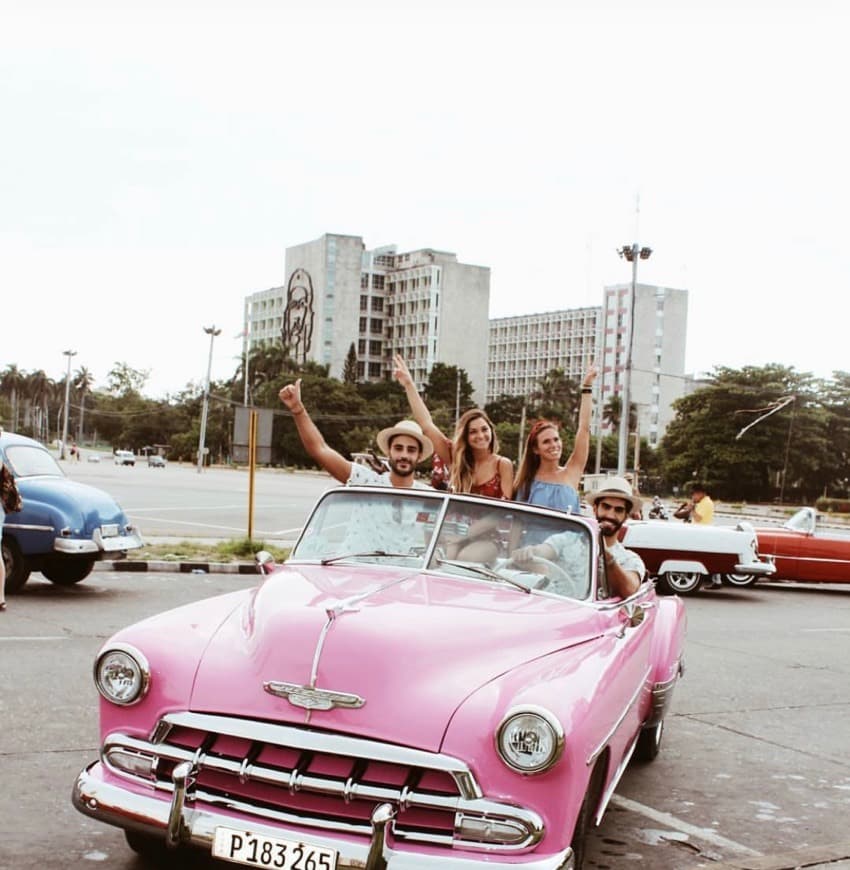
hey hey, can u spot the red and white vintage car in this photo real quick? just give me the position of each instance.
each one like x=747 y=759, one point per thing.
x=376 y=703
x=684 y=555
x=802 y=551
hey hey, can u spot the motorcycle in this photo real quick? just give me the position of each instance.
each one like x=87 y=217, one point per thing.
x=658 y=511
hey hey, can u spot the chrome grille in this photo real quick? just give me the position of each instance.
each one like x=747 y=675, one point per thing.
x=316 y=779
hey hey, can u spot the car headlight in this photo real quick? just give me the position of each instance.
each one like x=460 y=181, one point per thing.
x=530 y=739
x=122 y=674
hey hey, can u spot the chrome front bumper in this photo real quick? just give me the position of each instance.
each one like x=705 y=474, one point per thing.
x=180 y=824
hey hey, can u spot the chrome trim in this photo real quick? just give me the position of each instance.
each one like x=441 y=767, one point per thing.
x=335 y=744
x=662 y=695
x=591 y=759
x=72 y=546
x=615 y=779
x=116 y=806
x=382 y=818
x=311 y=698
x=180 y=778
x=297 y=781
x=26 y=527
x=144 y=667
x=755 y=568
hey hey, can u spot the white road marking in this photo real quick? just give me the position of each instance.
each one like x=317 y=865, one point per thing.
x=707 y=835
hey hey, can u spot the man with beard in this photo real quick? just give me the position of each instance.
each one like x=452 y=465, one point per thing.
x=404 y=444
x=611 y=507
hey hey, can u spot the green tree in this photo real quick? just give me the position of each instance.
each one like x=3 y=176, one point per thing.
x=557 y=397
x=349 y=371
x=123 y=379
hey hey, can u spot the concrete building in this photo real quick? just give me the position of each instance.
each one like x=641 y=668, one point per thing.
x=658 y=352
x=525 y=349
x=423 y=304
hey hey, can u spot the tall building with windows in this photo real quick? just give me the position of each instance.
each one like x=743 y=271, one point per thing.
x=524 y=349
x=658 y=352
x=423 y=304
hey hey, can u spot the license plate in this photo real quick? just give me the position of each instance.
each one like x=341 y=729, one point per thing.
x=109 y=530
x=243 y=847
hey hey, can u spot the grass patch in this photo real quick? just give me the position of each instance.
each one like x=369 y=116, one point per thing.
x=240 y=550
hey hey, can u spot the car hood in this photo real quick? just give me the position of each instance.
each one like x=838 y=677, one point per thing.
x=89 y=506
x=412 y=647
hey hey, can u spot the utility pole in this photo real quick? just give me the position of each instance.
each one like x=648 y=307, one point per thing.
x=212 y=332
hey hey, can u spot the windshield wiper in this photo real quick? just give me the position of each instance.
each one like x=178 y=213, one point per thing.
x=484 y=572
x=382 y=553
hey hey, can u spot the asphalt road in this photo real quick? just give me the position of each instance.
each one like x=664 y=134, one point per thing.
x=754 y=770
x=178 y=502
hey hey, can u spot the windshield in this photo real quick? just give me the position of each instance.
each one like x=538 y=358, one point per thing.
x=802 y=521
x=29 y=460
x=484 y=540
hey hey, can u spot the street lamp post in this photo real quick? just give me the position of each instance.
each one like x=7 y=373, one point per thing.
x=212 y=332
x=632 y=253
x=69 y=354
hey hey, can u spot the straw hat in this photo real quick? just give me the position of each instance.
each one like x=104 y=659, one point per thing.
x=409 y=428
x=618 y=487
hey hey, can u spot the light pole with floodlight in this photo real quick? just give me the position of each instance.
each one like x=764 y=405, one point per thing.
x=632 y=253
x=212 y=332
x=69 y=354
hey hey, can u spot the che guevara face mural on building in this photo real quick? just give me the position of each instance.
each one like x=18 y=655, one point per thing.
x=297 y=331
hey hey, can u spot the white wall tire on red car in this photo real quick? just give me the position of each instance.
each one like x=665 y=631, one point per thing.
x=680 y=582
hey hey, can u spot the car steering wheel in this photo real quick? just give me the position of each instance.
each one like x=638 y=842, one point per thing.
x=551 y=571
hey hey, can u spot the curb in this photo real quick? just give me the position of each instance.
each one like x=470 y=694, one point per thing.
x=179 y=567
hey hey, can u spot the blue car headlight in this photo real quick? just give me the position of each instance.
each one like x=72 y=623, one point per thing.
x=122 y=674
x=530 y=739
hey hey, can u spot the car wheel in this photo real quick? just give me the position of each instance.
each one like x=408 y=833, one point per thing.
x=585 y=815
x=680 y=582
x=17 y=570
x=67 y=572
x=739 y=580
x=649 y=742
x=152 y=848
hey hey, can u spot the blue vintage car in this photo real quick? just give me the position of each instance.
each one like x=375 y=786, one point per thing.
x=64 y=526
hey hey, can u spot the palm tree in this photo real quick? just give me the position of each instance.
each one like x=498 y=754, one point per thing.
x=12 y=381
x=82 y=383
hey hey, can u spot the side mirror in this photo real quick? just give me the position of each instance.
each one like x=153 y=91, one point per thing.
x=265 y=562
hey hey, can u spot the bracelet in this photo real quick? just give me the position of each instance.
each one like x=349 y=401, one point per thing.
x=301 y=410
x=586 y=391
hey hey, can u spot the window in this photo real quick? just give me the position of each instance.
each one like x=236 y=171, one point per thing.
x=361 y=370
x=363 y=324
x=364 y=281
x=377 y=304
x=374 y=370
x=364 y=303
x=376 y=324
x=378 y=282
x=375 y=348
x=361 y=346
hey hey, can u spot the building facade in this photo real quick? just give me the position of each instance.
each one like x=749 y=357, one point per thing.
x=657 y=356
x=525 y=349
x=423 y=304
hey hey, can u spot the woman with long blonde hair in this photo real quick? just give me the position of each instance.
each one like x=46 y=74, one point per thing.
x=474 y=464
x=472 y=455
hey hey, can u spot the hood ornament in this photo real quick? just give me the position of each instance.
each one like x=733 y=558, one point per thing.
x=311 y=698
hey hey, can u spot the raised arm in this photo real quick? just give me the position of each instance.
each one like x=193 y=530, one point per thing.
x=312 y=439
x=581 y=448
x=442 y=445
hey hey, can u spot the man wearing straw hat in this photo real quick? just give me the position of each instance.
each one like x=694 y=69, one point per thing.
x=404 y=444
x=612 y=506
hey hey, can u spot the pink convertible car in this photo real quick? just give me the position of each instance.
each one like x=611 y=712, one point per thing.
x=398 y=695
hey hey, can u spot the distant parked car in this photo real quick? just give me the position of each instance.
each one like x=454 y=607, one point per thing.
x=125 y=457
x=683 y=555
x=156 y=460
x=64 y=526
x=801 y=551
x=93 y=457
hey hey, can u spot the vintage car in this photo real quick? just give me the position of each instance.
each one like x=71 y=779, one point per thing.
x=374 y=703
x=124 y=457
x=684 y=555
x=64 y=526
x=801 y=551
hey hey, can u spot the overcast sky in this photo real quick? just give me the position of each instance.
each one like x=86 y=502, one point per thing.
x=156 y=159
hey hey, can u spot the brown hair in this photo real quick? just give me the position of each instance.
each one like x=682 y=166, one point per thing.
x=463 y=461
x=530 y=463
